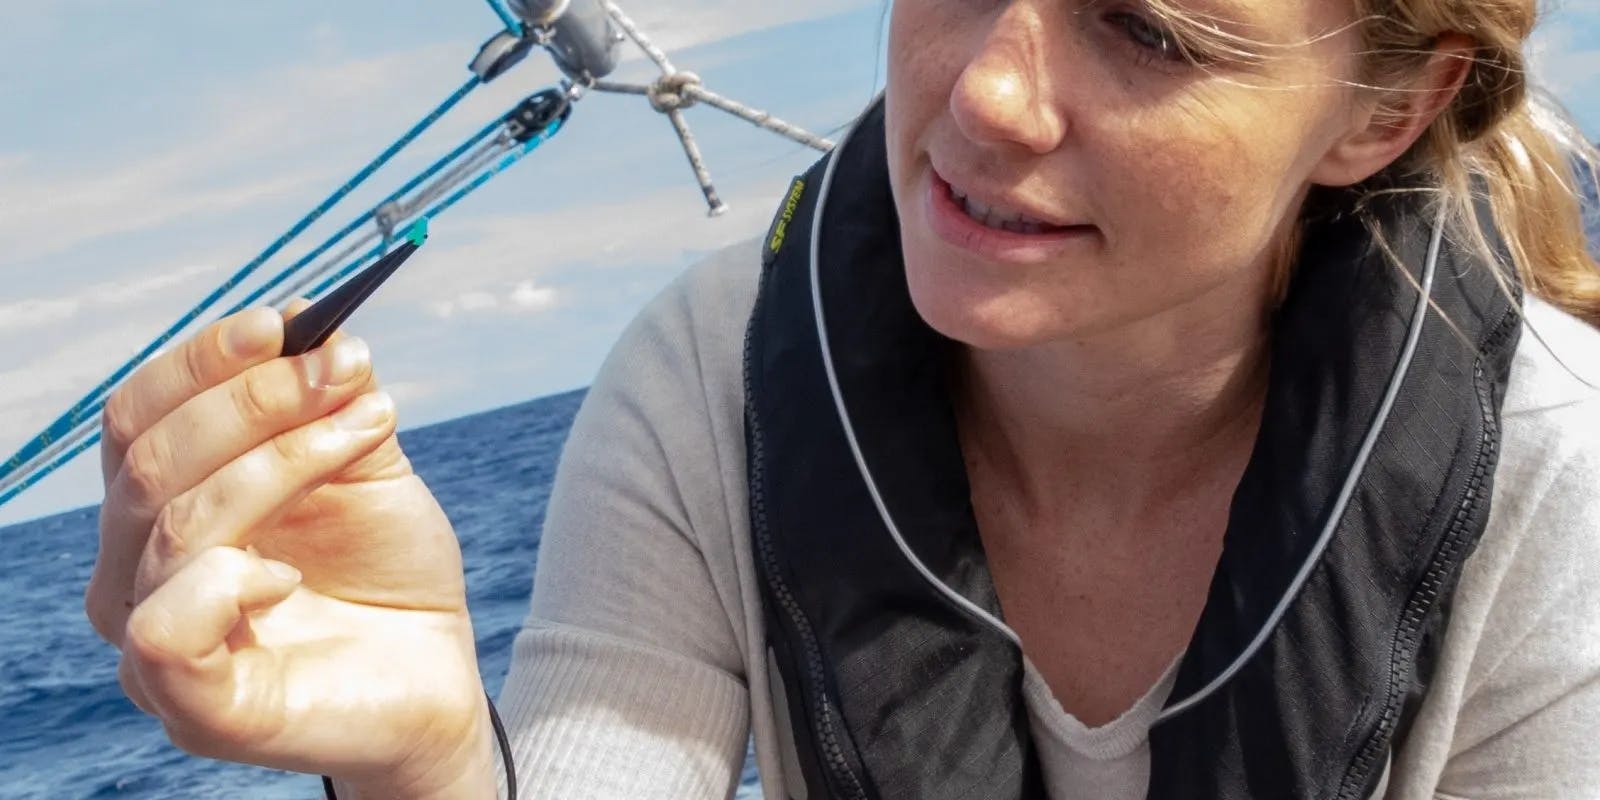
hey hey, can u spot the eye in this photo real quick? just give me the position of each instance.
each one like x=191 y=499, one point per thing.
x=1156 y=39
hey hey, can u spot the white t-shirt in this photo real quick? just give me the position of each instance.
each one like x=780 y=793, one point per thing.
x=1107 y=762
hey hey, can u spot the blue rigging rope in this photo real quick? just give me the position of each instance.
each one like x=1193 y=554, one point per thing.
x=64 y=425
x=442 y=206
x=54 y=465
x=513 y=25
x=377 y=251
x=86 y=416
x=365 y=218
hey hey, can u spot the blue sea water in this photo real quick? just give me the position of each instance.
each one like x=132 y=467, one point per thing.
x=67 y=731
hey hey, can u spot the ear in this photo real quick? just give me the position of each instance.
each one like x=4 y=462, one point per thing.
x=1385 y=123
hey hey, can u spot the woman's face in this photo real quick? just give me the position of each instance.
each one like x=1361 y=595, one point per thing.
x=1061 y=170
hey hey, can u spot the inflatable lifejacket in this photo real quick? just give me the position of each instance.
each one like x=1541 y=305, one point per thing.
x=1367 y=488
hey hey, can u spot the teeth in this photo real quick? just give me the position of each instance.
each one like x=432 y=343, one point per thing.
x=997 y=218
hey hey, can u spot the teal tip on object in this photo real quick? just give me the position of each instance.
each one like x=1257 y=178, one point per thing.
x=419 y=232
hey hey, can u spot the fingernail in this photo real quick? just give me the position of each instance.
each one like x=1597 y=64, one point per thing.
x=282 y=570
x=365 y=412
x=338 y=363
x=250 y=333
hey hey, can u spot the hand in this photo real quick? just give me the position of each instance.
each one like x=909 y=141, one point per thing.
x=284 y=589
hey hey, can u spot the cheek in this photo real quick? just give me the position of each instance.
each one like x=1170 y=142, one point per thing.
x=1201 y=183
x=930 y=42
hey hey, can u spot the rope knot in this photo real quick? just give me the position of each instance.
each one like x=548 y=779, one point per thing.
x=670 y=93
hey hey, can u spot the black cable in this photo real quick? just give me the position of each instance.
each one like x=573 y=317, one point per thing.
x=501 y=740
x=505 y=748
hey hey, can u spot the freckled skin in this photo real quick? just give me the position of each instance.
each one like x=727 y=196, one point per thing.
x=1110 y=390
x=1189 y=176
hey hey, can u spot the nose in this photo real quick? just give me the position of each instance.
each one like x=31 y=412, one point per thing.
x=1003 y=96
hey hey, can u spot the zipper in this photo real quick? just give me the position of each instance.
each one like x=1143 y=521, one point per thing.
x=822 y=707
x=1403 y=646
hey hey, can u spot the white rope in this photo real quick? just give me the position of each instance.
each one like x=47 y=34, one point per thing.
x=675 y=91
x=638 y=37
x=757 y=117
x=955 y=597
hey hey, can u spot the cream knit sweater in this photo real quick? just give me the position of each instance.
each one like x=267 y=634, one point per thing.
x=642 y=668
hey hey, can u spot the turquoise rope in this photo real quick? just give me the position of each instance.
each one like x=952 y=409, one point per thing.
x=443 y=205
x=344 y=271
x=92 y=402
x=513 y=25
x=59 y=462
x=509 y=159
x=98 y=405
x=362 y=220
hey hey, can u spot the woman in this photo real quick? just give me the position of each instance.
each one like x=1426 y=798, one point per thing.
x=1233 y=351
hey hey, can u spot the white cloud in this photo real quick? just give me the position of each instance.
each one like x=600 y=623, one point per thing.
x=34 y=313
x=284 y=115
x=34 y=393
x=406 y=393
x=686 y=23
x=525 y=297
x=10 y=162
x=501 y=251
x=37 y=312
x=533 y=298
x=1564 y=53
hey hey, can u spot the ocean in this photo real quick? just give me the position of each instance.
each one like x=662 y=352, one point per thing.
x=67 y=731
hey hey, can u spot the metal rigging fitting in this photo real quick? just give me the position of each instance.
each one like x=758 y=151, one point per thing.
x=580 y=38
x=503 y=51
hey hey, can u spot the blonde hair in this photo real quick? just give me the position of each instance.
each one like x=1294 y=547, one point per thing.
x=1498 y=139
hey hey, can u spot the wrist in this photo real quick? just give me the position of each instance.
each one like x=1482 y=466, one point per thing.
x=470 y=772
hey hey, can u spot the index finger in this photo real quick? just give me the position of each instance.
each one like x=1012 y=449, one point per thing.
x=224 y=349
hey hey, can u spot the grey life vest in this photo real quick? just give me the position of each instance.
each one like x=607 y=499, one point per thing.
x=1368 y=487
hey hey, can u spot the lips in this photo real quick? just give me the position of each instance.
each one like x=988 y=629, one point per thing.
x=996 y=232
x=999 y=217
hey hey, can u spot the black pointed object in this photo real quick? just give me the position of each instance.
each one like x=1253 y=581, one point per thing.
x=312 y=327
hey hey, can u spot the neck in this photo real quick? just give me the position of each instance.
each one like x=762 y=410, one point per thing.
x=1131 y=414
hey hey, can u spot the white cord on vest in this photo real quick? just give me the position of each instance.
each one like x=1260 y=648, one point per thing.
x=1369 y=442
x=1407 y=355
x=844 y=416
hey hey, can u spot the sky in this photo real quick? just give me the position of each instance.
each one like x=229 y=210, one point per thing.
x=151 y=148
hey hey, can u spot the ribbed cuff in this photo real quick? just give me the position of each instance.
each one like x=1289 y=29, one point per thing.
x=594 y=716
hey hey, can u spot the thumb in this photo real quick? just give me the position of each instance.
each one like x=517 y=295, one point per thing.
x=177 y=639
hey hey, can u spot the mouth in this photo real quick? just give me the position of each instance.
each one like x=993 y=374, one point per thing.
x=994 y=230
x=997 y=217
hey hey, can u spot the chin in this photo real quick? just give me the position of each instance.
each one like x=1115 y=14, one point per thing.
x=968 y=308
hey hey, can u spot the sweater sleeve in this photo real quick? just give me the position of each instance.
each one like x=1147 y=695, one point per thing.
x=1530 y=714
x=1513 y=708
x=627 y=680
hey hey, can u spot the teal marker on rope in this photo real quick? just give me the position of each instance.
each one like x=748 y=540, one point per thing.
x=418 y=235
